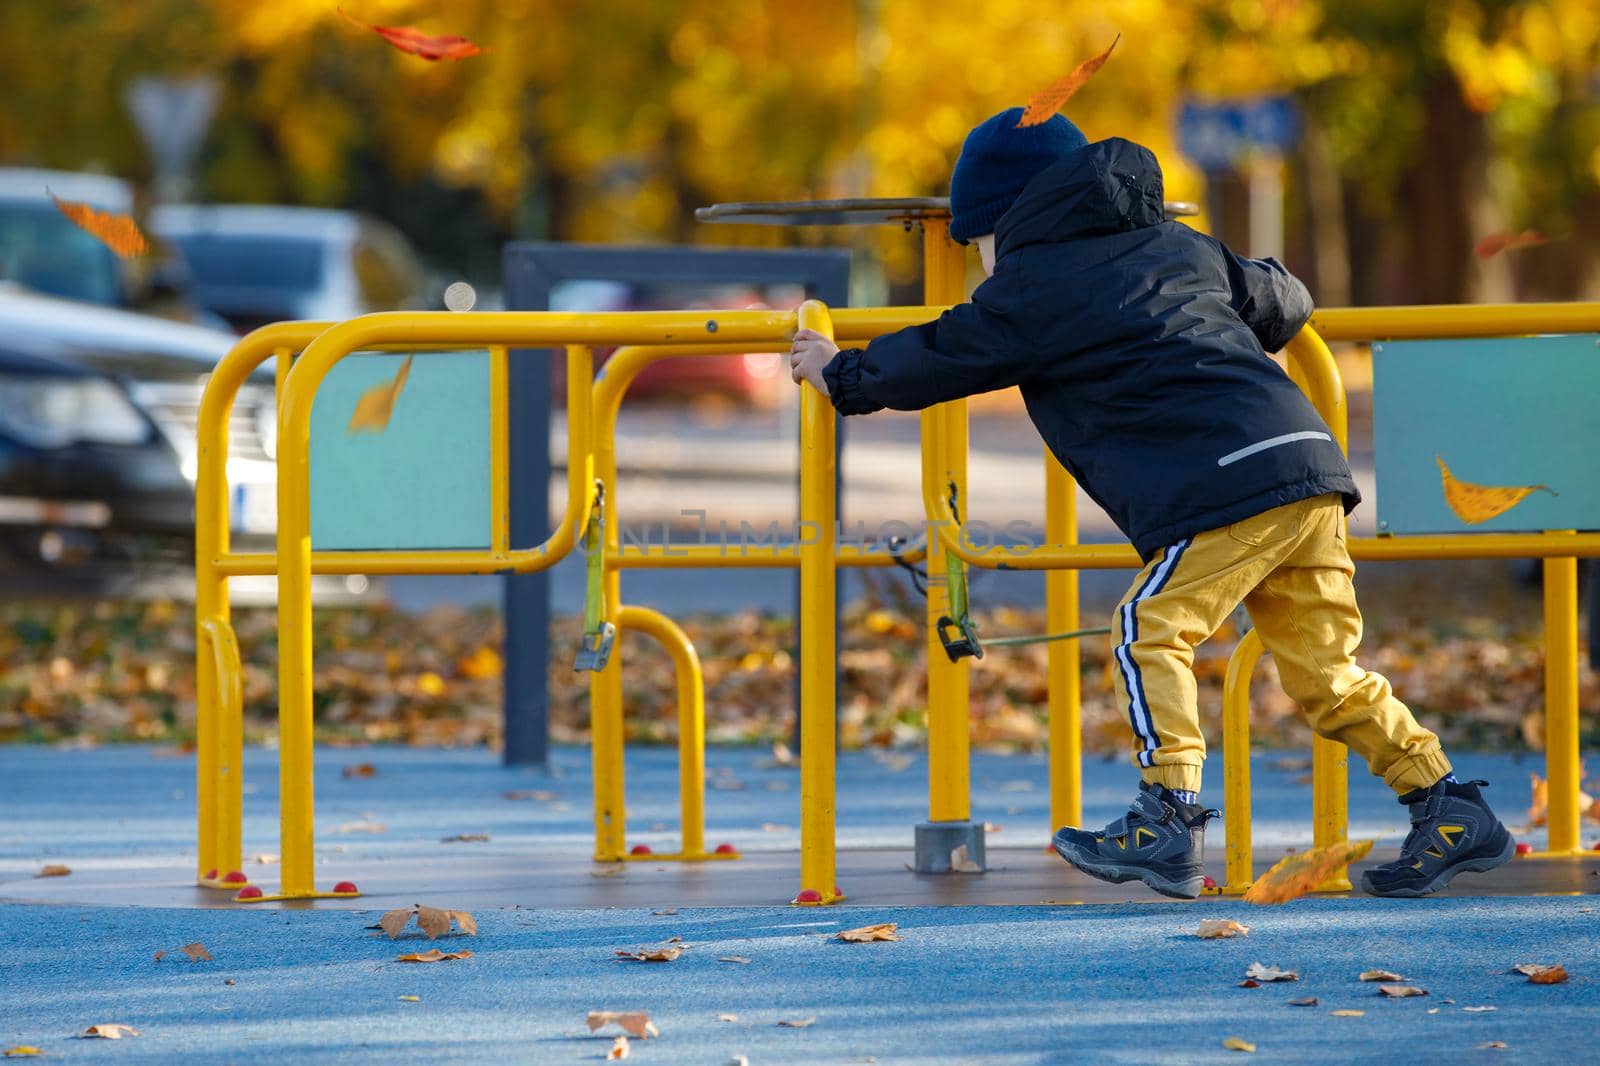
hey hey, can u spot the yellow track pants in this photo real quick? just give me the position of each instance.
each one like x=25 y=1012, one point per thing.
x=1290 y=568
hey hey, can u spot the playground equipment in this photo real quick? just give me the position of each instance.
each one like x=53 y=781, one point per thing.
x=591 y=494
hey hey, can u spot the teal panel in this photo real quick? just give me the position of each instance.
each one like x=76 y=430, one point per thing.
x=421 y=483
x=1500 y=412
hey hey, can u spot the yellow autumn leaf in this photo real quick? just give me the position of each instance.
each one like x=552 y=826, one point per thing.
x=22 y=1051
x=434 y=955
x=1295 y=875
x=1048 y=101
x=376 y=405
x=1233 y=1043
x=1219 y=928
x=1479 y=503
x=868 y=933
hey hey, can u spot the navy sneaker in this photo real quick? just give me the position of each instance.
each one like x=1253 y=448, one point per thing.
x=1452 y=831
x=1160 y=841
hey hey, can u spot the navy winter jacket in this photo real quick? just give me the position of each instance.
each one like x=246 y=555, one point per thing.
x=1140 y=347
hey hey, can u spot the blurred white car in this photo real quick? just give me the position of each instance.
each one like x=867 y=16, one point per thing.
x=255 y=264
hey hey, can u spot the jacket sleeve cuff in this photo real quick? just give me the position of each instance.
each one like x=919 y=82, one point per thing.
x=843 y=376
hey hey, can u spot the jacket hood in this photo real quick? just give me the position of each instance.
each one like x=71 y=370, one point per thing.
x=1107 y=187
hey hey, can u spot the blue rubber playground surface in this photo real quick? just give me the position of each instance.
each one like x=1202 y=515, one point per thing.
x=1111 y=982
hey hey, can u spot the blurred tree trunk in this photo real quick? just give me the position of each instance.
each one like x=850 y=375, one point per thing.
x=1330 y=237
x=1443 y=195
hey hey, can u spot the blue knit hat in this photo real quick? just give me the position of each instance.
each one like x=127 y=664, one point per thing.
x=997 y=162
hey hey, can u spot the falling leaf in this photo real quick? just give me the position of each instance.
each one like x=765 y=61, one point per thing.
x=109 y=1031
x=1401 y=991
x=635 y=1022
x=1044 y=104
x=1306 y=1001
x=197 y=952
x=796 y=1023
x=360 y=769
x=1495 y=243
x=1478 y=1010
x=1270 y=973
x=466 y=838
x=666 y=954
x=117 y=232
x=868 y=933
x=1220 y=929
x=428 y=46
x=54 y=870
x=619 y=1048
x=1295 y=875
x=1380 y=975
x=393 y=922
x=1347 y=1013
x=734 y=958
x=21 y=1051
x=960 y=863
x=1479 y=503
x=434 y=955
x=1549 y=975
x=376 y=405
x=410 y=999
x=1233 y=1043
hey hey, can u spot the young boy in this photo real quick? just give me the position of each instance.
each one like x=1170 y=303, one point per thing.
x=1140 y=348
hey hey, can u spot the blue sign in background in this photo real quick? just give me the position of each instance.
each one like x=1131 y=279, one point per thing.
x=421 y=483
x=1500 y=412
x=1216 y=133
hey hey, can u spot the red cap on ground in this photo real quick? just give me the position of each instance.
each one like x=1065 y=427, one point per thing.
x=211 y=875
x=1209 y=884
x=808 y=895
x=234 y=877
x=726 y=849
x=249 y=892
x=1524 y=849
x=639 y=849
x=346 y=886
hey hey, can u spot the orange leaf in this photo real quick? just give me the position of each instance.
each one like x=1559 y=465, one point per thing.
x=635 y=1022
x=109 y=1031
x=393 y=922
x=54 y=870
x=377 y=403
x=434 y=955
x=428 y=46
x=1219 y=928
x=197 y=952
x=651 y=954
x=1479 y=503
x=868 y=933
x=1046 y=103
x=118 y=232
x=1295 y=875
x=1495 y=243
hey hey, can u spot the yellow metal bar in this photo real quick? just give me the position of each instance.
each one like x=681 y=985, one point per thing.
x=944 y=437
x=1562 y=766
x=605 y=685
x=1454 y=320
x=1240 y=865
x=691 y=722
x=500 y=449
x=1063 y=656
x=818 y=883
x=737 y=557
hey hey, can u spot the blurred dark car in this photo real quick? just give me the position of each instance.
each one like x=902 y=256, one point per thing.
x=98 y=414
x=255 y=264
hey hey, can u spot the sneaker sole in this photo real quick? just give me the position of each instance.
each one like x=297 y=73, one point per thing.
x=1187 y=888
x=1444 y=877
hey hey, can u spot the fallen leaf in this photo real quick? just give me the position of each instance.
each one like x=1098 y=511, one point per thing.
x=1270 y=973
x=54 y=870
x=197 y=952
x=410 y=999
x=432 y=47
x=1220 y=928
x=1401 y=991
x=376 y=405
x=1045 y=103
x=1233 y=1043
x=160 y=955
x=21 y=1051
x=465 y=922
x=1478 y=1010
x=1295 y=875
x=1307 y=1001
x=1479 y=503
x=434 y=955
x=433 y=922
x=727 y=1017
x=634 y=1022
x=230 y=982
x=466 y=838
x=265 y=858
x=868 y=933
x=619 y=1048
x=1550 y=975
x=734 y=958
x=117 y=232
x=1503 y=241
x=960 y=862
x=109 y=1031
x=360 y=769
x=393 y=922
x=796 y=1023
x=1347 y=1013
x=1491 y=1045
x=1249 y=983
x=1380 y=975
x=666 y=954
x=665 y=913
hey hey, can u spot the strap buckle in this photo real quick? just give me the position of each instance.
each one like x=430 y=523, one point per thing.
x=594 y=649
x=958 y=648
